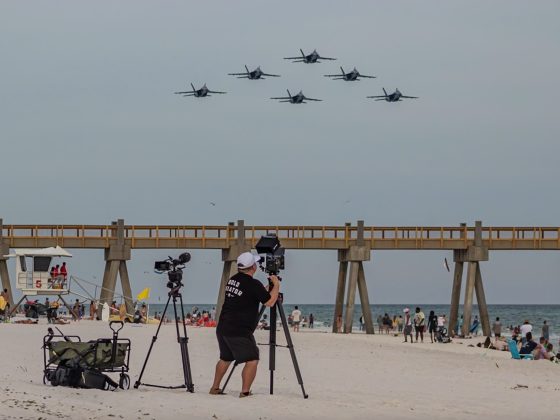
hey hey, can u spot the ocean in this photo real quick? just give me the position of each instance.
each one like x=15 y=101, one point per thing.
x=510 y=315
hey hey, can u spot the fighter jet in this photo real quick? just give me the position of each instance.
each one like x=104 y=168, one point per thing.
x=253 y=75
x=396 y=96
x=349 y=77
x=300 y=98
x=198 y=93
x=308 y=59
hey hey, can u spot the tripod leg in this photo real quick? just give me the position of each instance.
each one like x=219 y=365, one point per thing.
x=272 y=347
x=154 y=338
x=183 y=342
x=290 y=346
x=229 y=377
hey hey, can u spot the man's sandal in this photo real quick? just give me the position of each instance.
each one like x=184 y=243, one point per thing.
x=216 y=391
x=245 y=394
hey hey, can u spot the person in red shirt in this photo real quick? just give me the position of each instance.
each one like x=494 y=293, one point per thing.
x=63 y=271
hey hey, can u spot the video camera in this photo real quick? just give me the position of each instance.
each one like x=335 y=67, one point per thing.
x=174 y=268
x=269 y=245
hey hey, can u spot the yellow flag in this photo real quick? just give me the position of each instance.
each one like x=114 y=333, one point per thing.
x=144 y=294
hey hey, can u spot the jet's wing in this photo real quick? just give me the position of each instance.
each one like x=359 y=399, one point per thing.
x=325 y=58
x=281 y=97
x=214 y=91
x=311 y=99
x=409 y=97
x=182 y=93
x=333 y=75
x=237 y=74
x=368 y=77
x=271 y=75
x=376 y=96
x=293 y=58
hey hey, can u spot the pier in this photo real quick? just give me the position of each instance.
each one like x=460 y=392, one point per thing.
x=352 y=243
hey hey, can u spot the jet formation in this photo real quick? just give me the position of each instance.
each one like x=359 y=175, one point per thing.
x=300 y=98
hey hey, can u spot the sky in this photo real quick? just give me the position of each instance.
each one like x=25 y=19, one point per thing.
x=91 y=130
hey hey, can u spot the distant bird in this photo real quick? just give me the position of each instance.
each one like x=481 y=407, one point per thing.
x=445 y=264
x=347 y=201
x=212 y=203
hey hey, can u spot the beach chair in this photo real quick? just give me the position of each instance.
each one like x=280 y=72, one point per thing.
x=515 y=352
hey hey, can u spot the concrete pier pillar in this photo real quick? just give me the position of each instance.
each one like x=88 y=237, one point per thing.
x=351 y=297
x=229 y=257
x=4 y=273
x=455 y=297
x=481 y=301
x=116 y=257
x=364 y=300
x=340 y=289
x=467 y=309
x=473 y=255
x=354 y=256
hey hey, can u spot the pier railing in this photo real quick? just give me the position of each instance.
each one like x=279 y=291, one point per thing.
x=292 y=237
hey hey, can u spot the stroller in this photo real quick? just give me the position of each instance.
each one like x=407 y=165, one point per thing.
x=70 y=362
x=441 y=335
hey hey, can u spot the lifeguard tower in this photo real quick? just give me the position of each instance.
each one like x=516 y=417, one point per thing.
x=33 y=275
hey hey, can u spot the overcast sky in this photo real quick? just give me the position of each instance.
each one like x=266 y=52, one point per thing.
x=91 y=130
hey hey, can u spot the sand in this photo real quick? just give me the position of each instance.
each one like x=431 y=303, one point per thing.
x=346 y=376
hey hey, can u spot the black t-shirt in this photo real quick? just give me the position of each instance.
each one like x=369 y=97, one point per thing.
x=239 y=316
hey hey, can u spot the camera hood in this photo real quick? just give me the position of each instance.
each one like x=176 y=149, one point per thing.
x=268 y=244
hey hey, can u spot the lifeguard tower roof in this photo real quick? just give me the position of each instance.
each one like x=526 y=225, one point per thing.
x=53 y=251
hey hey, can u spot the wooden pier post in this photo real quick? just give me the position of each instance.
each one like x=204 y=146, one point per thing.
x=481 y=301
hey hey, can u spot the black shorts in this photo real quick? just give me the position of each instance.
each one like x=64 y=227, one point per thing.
x=240 y=349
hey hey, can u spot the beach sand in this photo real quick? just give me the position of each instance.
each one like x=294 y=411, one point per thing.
x=346 y=376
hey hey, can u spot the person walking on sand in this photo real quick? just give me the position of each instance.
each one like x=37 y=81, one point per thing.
x=296 y=318
x=419 y=322
x=407 y=325
x=238 y=320
x=545 y=331
x=497 y=328
x=432 y=324
x=311 y=320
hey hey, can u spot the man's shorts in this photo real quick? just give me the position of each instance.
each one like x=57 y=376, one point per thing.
x=240 y=349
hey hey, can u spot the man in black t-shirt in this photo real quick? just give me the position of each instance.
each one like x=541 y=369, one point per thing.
x=238 y=320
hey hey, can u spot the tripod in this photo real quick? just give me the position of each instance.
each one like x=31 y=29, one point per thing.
x=182 y=340
x=277 y=308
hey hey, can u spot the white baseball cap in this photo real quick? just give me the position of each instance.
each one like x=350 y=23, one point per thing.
x=405 y=310
x=247 y=260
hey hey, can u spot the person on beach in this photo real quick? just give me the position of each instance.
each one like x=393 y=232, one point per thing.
x=524 y=329
x=432 y=324
x=419 y=322
x=239 y=319
x=407 y=325
x=529 y=345
x=361 y=321
x=296 y=318
x=76 y=309
x=63 y=273
x=400 y=323
x=311 y=320
x=545 y=331
x=474 y=326
x=339 y=324
x=387 y=324
x=497 y=328
x=92 y=310
x=380 y=323
x=6 y=297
